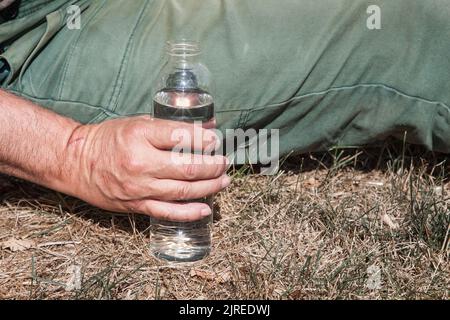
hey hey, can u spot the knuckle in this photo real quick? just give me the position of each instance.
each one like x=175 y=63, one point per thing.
x=163 y=127
x=153 y=188
x=183 y=191
x=129 y=189
x=190 y=170
x=162 y=213
x=131 y=164
x=163 y=132
x=136 y=207
x=134 y=129
x=135 y=165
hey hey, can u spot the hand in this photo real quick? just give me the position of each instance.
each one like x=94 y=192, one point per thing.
x=126 y=165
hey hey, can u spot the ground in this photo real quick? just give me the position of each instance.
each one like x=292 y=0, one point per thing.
x=368 y=223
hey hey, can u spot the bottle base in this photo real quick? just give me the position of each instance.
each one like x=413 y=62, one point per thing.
x=181 y=241
x=176 y=257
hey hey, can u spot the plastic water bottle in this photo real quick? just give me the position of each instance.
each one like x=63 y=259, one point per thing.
x=183 y=94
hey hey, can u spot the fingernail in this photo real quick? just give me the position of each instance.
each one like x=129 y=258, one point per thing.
x=226 y=181
x=205 y=212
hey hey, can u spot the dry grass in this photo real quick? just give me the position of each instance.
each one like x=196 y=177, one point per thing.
x=314 y=231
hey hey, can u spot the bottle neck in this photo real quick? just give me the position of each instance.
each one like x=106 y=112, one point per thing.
x=183 y=54
x=185 y=72
x=183 y=62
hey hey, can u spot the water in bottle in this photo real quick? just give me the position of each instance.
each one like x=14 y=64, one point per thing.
x=183 y=95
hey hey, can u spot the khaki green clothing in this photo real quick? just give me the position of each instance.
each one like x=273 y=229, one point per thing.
x=311 y=68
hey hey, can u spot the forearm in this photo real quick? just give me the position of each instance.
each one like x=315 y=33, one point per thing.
x=34 y=142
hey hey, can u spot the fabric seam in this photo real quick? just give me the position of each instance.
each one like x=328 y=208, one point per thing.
x=344 y=88
x=246 y=111
x=119 y=79
x=74 y=46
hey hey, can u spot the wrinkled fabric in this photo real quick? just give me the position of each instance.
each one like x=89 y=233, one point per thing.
x=310 y=68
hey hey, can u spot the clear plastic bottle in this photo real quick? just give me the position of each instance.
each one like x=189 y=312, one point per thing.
x=182 y=93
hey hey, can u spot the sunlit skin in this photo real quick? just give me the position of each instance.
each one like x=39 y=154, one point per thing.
x=121 y=165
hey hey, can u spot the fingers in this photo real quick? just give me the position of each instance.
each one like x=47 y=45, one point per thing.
x=188 y=167
x=167 y=135
x=169 y=190
x=172 y=211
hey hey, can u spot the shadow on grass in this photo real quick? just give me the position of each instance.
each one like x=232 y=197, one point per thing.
x=390 y=155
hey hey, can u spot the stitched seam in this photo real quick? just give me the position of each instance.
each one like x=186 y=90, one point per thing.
x=244 y=120
x=344 y=88
x=243 y=111
x=73 y=47
x=102 y=115
x=242 y=116
x=22 y=94
x=113 y=102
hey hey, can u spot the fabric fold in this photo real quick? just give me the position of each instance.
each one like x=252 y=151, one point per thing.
x=22 y=38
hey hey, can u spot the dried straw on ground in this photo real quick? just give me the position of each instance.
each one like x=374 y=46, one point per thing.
x=362 y=224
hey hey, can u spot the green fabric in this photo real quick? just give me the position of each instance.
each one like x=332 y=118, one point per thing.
x=310 y=68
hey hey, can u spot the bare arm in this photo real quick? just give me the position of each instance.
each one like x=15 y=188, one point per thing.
x=33 y=141
x=122 y=165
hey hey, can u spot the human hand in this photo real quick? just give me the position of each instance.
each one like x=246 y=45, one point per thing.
x=126 y=165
